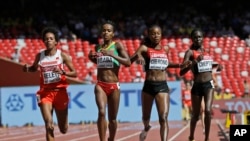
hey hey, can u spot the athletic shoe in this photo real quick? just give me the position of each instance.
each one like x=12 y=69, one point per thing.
x=190 y=139
x=144 y=133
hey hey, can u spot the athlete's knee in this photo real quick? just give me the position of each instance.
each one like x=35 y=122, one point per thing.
x=208 y=113
x=63 y=129
x=112 y=121
x=195 y=116
x=102 y=112
x=49 y=126
x=163 y=117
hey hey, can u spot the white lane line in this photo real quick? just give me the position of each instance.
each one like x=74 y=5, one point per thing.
x=85 y=137
x=130 y=136
x=179 y=132
x=136 y=134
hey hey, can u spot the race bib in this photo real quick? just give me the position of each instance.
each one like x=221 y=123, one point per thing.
x=105 y=62
x=51 y=77
x=205 y=65
x=158 y=63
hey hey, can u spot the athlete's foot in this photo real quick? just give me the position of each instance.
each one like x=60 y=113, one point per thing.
x=190 y=139
x=206 y=140
x=144 y=133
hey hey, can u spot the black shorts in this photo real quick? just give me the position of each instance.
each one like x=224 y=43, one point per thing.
x=202 y=88
x=153 y=88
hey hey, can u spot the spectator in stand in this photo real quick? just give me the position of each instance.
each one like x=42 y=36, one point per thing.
x=246 y=88
x=72 y=37
x=246 y=28
x=53 y=84
x=217 y=96
x=200 y=63
x=227 y=94
x=16 y=56
x=247 y=40
x=109 y=56
x=138 y=77
x=94 y=34
x=89 y=78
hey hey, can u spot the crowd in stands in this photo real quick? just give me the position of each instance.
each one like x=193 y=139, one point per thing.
x=26 y=18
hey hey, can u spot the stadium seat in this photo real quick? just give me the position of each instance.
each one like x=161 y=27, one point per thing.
x=136 y=43
x=164 y=41
x=225 y=50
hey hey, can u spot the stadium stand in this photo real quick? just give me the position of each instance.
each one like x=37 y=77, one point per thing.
x=232 y=53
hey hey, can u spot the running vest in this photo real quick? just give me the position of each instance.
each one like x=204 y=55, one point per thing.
x=205 y=65
x=107 y=61
x=156 y=59
x=48 y=78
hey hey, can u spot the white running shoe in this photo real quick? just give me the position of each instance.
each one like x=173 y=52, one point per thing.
x=143 y=135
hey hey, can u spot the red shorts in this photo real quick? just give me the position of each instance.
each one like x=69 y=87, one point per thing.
x=108 y=88
x=57 y=97
x=187 y=103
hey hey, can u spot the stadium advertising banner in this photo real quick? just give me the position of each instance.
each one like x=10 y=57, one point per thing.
x=19 y=105
x=240 y=105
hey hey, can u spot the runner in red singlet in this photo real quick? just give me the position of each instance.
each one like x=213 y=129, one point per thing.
x=154 y=57
x=53 y=85
x=200 y=62
x=108 y=56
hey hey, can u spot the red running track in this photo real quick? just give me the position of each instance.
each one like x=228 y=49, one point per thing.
x=178 y=131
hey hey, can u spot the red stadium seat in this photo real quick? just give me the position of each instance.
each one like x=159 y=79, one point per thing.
x=225 y=50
